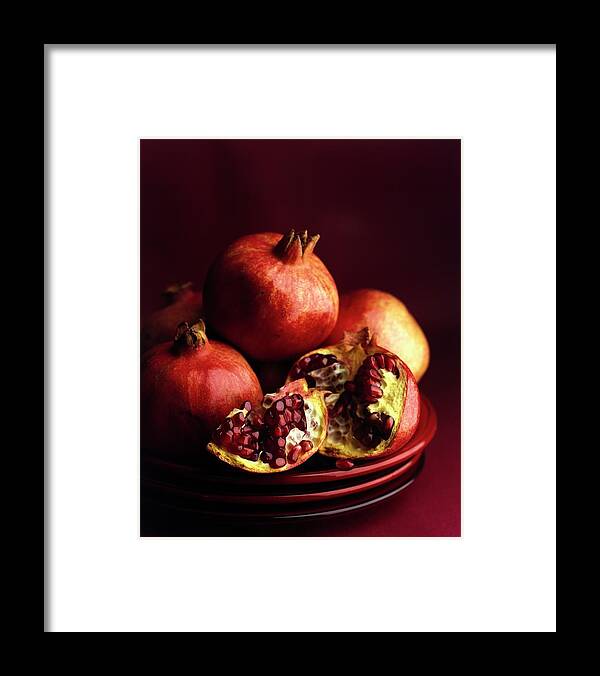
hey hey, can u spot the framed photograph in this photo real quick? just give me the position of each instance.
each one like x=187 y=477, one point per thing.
x=301 y=314
x=316 y=276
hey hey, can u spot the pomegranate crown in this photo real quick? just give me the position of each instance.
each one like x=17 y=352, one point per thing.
x=294 y=246
x=193 y=336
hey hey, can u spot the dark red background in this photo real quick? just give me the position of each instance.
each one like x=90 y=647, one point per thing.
x=388 y=212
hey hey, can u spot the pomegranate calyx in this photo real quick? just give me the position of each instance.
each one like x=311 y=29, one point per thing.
x=294 y=246
x=193 y=336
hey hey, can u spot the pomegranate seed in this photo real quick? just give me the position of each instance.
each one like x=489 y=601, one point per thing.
x=390 y=363
x=294 y=454
x=255 y=434
x=281 y=421
x=245 y=439
x=370 y=400
x=372 y=362
x=388 y=425
x=302 y=425
x=280 y=442
x=380 y=360
x=254 y=456
x=278 y=432
x=344 y=464
x=279 y=406
x=238 y=418
x=236 y=431
x=306 y=445
x=288 y=402
x=375 y=391
x=265 y=456
x=304 y=362
x=374 y=374
x=287 y=414
x=247 y=405
x=279 y=462
x=296 y=417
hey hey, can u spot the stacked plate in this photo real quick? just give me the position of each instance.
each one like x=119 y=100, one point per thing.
x=315 y=489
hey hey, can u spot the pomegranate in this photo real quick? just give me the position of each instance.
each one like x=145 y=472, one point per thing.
x=188 y=386
x=181 y=304
x=387 y=318
x=284 y=432
x=372 y=397
x=271 y=295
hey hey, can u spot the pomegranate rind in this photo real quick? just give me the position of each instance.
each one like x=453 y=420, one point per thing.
x=317 y=411
x=401 y=399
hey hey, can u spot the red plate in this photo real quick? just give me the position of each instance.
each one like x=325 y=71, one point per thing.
x=317 y=469
x=168 y=515
x=280 y=495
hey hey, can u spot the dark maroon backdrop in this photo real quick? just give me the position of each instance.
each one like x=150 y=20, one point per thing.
x=388 y=212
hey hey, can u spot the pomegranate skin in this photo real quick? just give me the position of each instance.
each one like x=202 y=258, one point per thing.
x=186 y=392
x=387 y=318
x=271 y=296
x=183 y=304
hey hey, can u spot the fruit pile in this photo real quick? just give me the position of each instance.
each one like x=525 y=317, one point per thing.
x=342 y=372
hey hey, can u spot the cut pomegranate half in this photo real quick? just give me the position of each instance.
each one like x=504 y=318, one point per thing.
x=284 y=432
x=372 y=396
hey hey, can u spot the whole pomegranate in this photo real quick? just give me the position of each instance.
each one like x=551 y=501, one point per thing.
x=387 y=318
x=271 y=295
x=188 y=386
x=284 y=432
x=372 y=397
x=182 y=304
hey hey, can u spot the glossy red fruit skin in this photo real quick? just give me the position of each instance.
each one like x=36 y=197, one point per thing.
x=160 y=326
x=186 y=393
x=271 y=305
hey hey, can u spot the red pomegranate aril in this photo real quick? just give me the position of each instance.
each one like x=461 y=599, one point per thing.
x=372 y=362
x=294 y=454
x=296 y=417
x=247 y=405
x=267 y=457
x=279 y=462
x=302 y=425
x=374 y=374
x=281 y=421
x=255 y=434
x=236 y=430
x=245 y=439
x=280 y=442
x=370 y=400
x=375 y=391
x=390 y=364
x=278 y=432
x=280 y=406
x=306 y=445
x=380 y=359
x=289 y=403
x=287 y=414
x=388 y=425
